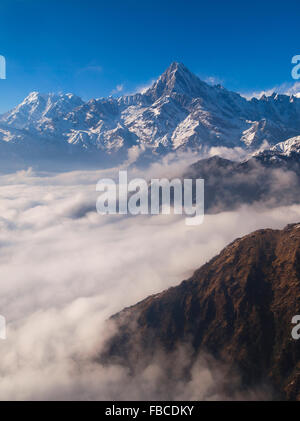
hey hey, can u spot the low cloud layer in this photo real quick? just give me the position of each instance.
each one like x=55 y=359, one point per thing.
x=65 y=269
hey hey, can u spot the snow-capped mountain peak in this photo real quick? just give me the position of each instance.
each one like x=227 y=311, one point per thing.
x=281 y=152
x=177 y=79
x=288 y=147
x=37 y=107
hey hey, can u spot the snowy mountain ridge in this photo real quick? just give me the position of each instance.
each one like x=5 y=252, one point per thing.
x=178 y=112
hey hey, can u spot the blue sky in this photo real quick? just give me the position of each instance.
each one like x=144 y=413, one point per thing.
x=91 y=47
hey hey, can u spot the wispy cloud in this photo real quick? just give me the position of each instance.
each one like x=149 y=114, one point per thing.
x=91 y=68
x=144 y=87
x=214 y=80
x=118 y=89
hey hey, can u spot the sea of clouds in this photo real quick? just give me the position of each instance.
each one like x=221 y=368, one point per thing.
x=65 y=269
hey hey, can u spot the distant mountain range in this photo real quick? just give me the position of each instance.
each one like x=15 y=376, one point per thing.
x=271 y=177
x=238 y=308
x=281 y=151
x=178 y=112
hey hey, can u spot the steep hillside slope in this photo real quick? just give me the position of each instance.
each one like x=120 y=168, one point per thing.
x=238 y=307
